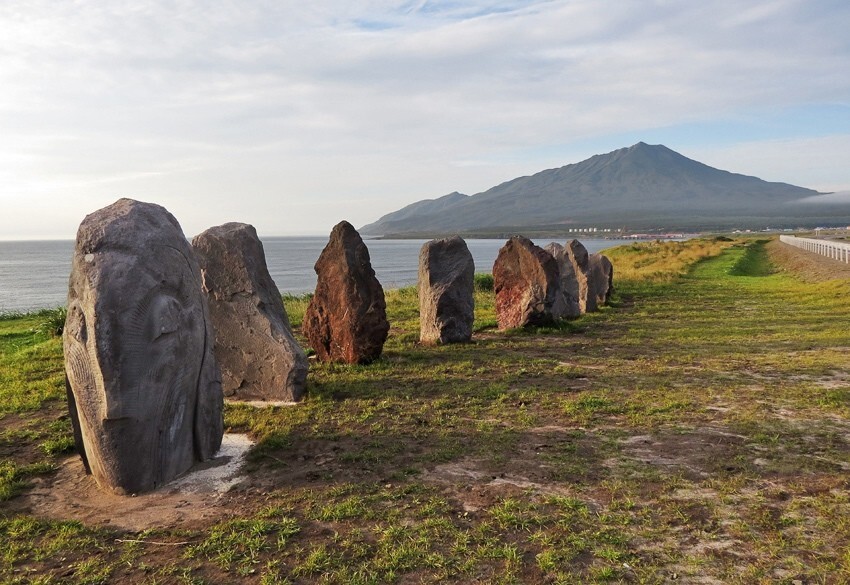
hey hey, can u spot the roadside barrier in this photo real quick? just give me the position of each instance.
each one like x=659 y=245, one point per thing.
x=835 y=250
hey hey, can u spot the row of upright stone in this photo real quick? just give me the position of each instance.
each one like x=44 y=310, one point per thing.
x=533 y=286
x=159 y=331
x=537 y=286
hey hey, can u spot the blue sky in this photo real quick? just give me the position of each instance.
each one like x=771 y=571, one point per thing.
x=292 y=115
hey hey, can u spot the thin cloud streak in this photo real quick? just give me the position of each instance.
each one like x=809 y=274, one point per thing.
x=838 y=197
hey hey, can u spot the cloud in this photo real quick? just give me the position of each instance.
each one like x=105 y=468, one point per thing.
x=839 y=197
x=381 y=102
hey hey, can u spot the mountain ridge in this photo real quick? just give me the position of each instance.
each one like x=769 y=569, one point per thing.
x=641 y=185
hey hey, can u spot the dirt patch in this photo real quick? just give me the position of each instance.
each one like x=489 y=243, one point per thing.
x=21 y=435
x=197 y=495
x=470 y=483
x=831 y=381
x=808 y=266
x=543 y=462
x=264 y=403
x=695 y=494
x=696 y=455
x=475 y=470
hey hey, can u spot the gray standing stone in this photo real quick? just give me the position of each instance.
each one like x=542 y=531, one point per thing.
x=346 y=320
x=566 y=305
x=601 y=277
x=446 y=304
x=580 y=259
x=144 y=392
x=254 y=346
x=525 y=280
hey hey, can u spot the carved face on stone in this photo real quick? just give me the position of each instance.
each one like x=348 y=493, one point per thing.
x=135 y=348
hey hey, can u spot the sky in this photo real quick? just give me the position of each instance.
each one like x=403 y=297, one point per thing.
x=294 y=115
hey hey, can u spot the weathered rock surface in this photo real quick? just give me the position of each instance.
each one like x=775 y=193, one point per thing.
x=580 y=259
x=525 y=279
x=566 y=305
x=346 y=320
x=446 y=304
x=144 y=392
x=254 y=346
x=601 y=278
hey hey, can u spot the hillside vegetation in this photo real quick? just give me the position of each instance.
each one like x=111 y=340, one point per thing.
x=696 y=431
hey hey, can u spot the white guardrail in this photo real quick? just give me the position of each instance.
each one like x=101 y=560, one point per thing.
x=836 y=250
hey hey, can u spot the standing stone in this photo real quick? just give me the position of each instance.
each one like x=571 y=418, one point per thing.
x=446 y=304
x=254 y=346
x=579 y=258
x=346 y=320
x=525 y=279
x=566 y=305
x=144 y=392
x=602 y=278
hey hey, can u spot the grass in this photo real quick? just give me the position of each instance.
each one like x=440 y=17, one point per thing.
x=296 y=306
x=662 y=261
x=32 y=393
x=697 y=430
x=483 y=282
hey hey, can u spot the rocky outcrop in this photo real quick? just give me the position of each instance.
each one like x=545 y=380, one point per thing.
x=566 y=305
x=346 y=320
x=580 y=260
x=144 y=392
x=446 y=304
x=525 y=280
x=601 y=278
x=254 y=346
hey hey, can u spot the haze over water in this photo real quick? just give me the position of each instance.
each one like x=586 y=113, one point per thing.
x=34 y=275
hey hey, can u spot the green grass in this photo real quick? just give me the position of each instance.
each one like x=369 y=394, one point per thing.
x=753 y=262
x=32 y=396
x=296 y=306
x=697 y=430
x=31 y=370
x=483 y=282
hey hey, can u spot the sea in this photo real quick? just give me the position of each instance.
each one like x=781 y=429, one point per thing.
x=34 y=274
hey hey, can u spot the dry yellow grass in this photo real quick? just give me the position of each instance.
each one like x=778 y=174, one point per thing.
x=659 y=261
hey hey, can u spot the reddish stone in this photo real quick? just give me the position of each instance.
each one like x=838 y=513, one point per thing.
x=525 y=279
x=346 y=320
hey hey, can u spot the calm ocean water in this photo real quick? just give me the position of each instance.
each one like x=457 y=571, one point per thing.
x=34 y=275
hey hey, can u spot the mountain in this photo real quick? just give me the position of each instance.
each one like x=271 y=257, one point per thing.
x=425 y=207
x=643 y=186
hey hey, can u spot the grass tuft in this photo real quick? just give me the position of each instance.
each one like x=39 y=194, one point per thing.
x=483 y=282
